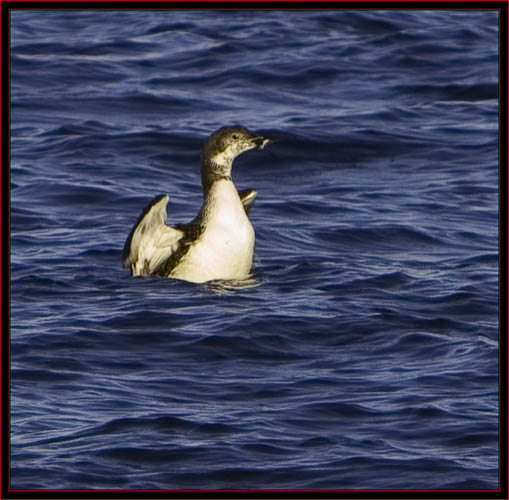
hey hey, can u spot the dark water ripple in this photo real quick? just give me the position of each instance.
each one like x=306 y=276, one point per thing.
x=363 y=353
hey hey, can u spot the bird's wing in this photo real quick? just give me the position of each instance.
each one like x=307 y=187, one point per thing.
x=151 y=240
x=247 y=197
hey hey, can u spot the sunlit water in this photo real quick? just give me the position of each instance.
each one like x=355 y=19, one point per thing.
x=363 y=353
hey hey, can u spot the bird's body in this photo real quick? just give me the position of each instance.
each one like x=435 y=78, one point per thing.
x=224 y=249
x=219 y=243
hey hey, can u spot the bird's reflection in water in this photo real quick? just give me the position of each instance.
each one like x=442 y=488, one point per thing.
x=230 y=287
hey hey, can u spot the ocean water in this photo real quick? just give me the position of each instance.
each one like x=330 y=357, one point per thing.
x=363 y=353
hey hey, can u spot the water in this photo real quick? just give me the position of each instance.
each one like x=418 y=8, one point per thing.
x=363 y=354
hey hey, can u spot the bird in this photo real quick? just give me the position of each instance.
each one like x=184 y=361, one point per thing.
x=218 y=244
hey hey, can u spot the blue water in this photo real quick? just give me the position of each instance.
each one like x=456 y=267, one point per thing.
x=363 y=354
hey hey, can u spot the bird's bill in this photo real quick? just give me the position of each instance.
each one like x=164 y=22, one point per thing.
x=260 y=141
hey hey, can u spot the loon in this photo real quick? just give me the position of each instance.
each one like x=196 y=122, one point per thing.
x=219 y=243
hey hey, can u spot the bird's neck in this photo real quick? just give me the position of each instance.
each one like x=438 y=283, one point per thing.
x=212 y=171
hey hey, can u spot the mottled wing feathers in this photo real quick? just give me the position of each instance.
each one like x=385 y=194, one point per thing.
x=151 y=240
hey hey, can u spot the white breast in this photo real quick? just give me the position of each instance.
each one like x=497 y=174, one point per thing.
x=224 y=250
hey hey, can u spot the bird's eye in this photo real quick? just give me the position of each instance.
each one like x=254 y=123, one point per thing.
x=235 y=136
